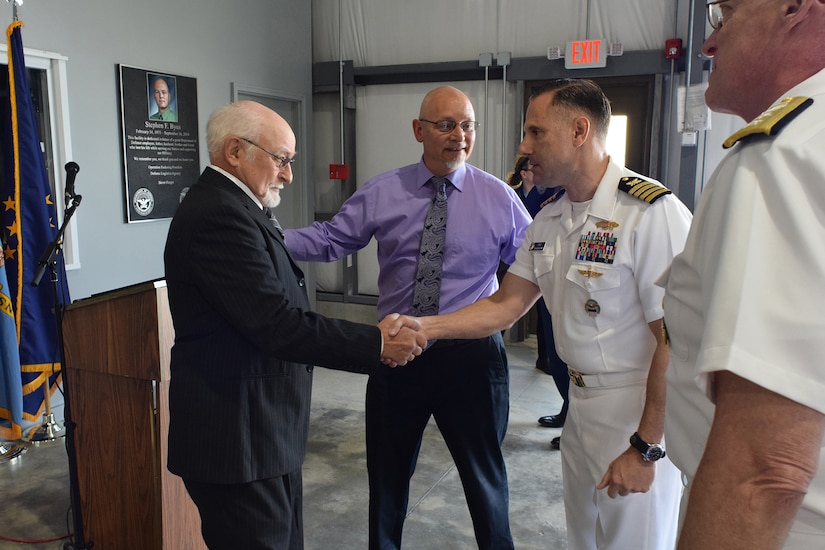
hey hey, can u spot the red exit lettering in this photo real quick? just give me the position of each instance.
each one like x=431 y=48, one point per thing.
x=586 y=51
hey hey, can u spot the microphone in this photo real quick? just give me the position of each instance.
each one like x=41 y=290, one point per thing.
x=71 y=173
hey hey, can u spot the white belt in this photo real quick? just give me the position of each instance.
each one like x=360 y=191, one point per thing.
x=606 y=379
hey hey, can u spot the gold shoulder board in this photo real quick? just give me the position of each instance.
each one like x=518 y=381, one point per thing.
x=643 y=189
x=553 y=198
x=773 y=120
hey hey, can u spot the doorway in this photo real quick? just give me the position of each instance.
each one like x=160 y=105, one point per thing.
x=292 y=212
x=633 y=99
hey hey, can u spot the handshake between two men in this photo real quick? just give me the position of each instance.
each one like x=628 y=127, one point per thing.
x=403 y=337
x=406 y=337
x=487 y=316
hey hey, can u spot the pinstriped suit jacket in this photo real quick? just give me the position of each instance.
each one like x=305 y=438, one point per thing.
x=244 y=337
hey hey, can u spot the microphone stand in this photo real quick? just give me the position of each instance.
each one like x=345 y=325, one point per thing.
x=48 y=260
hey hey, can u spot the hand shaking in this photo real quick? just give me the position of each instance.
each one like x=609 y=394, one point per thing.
x=403 y=339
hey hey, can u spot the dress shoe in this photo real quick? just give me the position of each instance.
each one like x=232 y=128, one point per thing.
x=544 y=367
x=555 y=443
x=552 y=421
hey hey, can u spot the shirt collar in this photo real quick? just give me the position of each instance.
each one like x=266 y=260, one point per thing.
x=604 y=200
x=456 y=177
x=239 y=183
x=811 y=86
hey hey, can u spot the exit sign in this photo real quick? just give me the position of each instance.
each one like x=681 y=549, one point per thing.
x=584 y=54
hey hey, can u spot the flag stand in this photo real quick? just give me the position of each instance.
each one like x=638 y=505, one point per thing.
x=9 y=454
x=49 y=430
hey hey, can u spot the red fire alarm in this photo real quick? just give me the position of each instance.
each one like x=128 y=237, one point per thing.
x=673 y=48
x=338 y=171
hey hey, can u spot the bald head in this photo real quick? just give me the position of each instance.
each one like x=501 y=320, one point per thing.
x=445 y=151
x=437 y=97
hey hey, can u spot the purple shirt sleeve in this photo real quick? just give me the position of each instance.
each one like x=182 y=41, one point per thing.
x=486 y=222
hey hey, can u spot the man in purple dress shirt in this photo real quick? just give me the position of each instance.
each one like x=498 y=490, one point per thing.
x=463 y=384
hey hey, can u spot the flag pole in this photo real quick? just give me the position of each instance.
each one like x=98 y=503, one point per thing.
x=15 y=3
x=12 y=452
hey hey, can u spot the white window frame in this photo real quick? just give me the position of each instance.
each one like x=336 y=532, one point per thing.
x=57 y=83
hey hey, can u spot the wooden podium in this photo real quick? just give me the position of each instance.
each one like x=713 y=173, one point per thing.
x=117 y=351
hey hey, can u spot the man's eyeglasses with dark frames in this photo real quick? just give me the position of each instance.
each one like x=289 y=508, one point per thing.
x=446 y=126
x=282 y=162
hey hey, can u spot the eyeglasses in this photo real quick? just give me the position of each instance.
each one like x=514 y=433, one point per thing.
x=446 y=126
x=282 y=162
x=715 y=13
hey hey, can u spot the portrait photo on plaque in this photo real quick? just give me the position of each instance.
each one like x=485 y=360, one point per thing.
x=159 y=127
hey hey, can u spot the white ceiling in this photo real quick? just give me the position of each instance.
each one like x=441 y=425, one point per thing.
x=393 y=32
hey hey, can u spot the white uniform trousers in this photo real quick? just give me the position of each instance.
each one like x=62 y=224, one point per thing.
x=597 y=430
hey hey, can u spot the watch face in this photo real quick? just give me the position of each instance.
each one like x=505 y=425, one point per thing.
x=654 y=453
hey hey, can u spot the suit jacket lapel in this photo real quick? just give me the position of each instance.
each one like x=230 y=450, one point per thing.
x=213 y=177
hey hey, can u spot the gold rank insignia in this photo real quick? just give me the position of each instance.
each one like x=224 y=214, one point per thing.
x=773 y=120
x=589 y=273
x=647 y=191
x=607 y=226
x=554 y=197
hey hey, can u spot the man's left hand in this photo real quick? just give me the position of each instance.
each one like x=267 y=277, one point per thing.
x=628 y=473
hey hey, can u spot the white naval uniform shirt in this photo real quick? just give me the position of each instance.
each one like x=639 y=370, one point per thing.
x=746 y=295
x=597 y=276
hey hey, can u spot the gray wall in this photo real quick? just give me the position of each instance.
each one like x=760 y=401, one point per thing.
x=257 y=43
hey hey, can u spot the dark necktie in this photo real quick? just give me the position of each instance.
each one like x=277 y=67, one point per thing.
x=431 y=253
x=274 y=221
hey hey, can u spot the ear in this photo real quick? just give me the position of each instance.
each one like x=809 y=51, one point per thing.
x=795 y=11
x=418 y=130
x=581 y=130
x=232 y=151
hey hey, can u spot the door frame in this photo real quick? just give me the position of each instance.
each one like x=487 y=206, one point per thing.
x=634 y=96
x=297 y=196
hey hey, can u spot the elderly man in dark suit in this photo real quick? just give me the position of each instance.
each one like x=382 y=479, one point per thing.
x=245 y=339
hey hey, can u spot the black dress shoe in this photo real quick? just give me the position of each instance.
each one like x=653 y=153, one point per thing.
x=552 y=421
x=555 y=443
x=544 y=367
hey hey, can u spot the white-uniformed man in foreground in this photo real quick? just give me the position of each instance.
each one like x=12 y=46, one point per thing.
x=744 y=304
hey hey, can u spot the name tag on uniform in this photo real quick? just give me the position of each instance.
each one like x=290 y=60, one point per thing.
x=537 y=246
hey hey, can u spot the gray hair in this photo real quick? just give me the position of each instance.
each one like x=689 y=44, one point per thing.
x=231 y=120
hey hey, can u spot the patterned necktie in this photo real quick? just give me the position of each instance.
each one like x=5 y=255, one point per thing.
x=431 y=253
x=274 y=221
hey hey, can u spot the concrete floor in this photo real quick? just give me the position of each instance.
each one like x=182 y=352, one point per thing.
x=34 y=489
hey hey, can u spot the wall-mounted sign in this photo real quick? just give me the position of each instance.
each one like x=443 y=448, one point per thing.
x=585 y=54
x=159 y=120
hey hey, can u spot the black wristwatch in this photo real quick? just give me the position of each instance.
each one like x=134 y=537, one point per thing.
x=650 y=453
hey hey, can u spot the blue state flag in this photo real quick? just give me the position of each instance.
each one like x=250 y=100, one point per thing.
x=29 y=227
x=11 y=385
